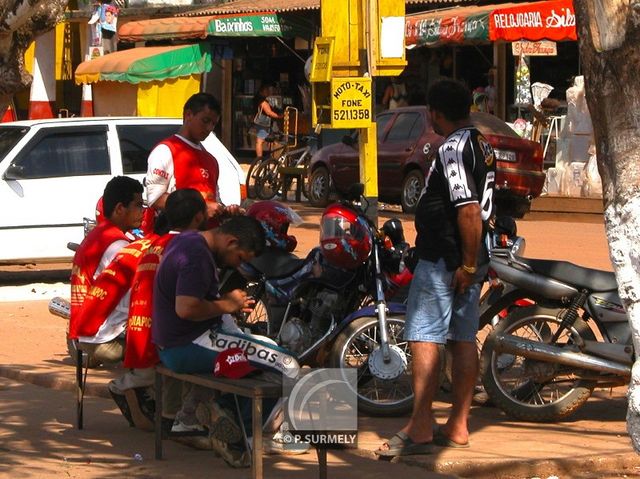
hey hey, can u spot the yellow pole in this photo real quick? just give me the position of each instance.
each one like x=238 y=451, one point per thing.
x=368 y=146
x=350 y=47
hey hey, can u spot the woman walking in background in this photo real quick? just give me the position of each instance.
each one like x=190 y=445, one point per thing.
x=264 y=117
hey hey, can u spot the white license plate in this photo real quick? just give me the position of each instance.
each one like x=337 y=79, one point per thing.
x=505 y=155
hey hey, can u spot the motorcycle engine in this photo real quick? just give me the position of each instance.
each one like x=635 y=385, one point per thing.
x=295 y=335
x=314 y=320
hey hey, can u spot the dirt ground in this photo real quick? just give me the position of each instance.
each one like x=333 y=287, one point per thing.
x=38 y=439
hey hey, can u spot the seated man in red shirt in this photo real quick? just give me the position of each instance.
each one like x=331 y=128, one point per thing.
x=102 y=334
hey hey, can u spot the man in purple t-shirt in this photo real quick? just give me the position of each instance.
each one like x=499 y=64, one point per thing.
x=186 y=302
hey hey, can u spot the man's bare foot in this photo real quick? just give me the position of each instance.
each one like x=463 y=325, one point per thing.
x=443 y=437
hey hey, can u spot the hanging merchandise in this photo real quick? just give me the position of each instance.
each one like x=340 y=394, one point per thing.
x=540 y=92
x=523 y=83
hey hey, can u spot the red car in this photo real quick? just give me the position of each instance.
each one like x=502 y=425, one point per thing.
x=406 y=146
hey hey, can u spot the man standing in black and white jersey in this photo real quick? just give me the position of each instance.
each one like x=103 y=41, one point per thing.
x=451 y=224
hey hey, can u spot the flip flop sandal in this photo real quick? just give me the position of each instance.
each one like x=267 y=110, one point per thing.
x=442 y=440
x=402 y=445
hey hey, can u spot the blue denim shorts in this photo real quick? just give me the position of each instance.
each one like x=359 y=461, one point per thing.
x=261 y=132
x=435 y=313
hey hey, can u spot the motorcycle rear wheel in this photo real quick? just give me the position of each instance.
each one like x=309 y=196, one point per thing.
x=528 y=389
x=376 y=397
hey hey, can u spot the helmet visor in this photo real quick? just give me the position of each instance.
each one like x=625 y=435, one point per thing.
x=338 y=227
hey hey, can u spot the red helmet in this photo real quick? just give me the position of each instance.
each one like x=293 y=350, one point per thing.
x=275 y=219
x=345 y=238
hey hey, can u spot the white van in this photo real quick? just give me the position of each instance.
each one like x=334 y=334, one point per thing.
x=52 y=173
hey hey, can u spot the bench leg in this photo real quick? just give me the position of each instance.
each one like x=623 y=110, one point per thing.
x=80 y=384
x=158 y=416
x=256 y=460
x=322 y=462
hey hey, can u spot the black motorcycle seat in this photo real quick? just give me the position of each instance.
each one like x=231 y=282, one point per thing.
x=276 y=263
x=579 y=276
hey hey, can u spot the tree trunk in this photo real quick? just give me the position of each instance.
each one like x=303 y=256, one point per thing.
x=21 y=21
x=609 y=35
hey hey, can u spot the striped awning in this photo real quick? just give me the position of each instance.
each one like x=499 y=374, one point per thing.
x=146 y=64
x=547 y=20
x=256 y=24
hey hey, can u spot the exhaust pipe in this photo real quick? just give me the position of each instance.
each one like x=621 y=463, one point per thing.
x=509 y=344
x=60 y=307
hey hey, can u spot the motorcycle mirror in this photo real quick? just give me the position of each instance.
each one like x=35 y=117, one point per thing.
x=355 y=192
x=393 y=229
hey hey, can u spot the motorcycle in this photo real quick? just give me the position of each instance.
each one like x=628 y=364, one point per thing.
x=330 y=309
x=568 y=334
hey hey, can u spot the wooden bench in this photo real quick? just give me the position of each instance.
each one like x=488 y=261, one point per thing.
x=290 y=173
x=253 y=388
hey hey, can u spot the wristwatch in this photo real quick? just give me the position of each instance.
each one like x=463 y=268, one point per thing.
x=469 y=269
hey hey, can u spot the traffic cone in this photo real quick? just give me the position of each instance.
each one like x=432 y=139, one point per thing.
x=9 y=114
x=42 y=97
x=86 y=106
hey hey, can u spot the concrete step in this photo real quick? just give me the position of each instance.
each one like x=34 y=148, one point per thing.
x=567 y=204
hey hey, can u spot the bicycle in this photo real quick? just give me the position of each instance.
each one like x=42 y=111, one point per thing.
x=271 y=176
x=253 y=168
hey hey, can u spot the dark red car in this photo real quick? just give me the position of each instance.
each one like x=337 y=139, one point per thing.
x=406 y=146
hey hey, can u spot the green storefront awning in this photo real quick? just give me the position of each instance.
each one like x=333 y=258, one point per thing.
x=146 y=64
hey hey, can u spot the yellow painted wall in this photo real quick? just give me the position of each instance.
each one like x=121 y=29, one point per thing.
x=166 y=98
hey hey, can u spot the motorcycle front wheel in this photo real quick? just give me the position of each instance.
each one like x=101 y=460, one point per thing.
x=353 y=348
x=529 y=389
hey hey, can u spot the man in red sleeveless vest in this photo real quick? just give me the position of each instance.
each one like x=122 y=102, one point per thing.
x=181 y=161
x=122 y=200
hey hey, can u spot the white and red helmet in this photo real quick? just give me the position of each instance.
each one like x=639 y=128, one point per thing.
x=275 y=219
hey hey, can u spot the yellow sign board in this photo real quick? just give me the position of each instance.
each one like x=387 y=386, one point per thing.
x=542 y=48
x=322 y=62
x=351 y=101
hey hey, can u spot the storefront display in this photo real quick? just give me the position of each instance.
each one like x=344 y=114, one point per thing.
x=256 y=63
